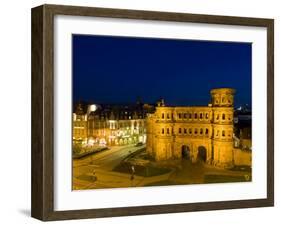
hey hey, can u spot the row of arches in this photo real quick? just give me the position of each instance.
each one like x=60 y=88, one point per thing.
x=187 y=115
x=193 y=115
x=187 y=155
x=223 y=117
x=186 y=131
x=222 y=99
x=223 y=133
x=201 y=116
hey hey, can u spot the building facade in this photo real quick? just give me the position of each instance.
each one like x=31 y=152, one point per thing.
x=79 y=125
x=110 y=125
x=204 y=132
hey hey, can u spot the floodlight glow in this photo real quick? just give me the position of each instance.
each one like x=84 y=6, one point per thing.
x=92 y=108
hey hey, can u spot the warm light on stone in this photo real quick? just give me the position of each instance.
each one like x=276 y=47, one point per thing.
x=194 y=132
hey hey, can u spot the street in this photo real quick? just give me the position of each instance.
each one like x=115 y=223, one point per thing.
x=98 y=171
x=102 y=164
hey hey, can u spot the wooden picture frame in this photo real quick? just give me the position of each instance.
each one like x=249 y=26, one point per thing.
x=43 y=112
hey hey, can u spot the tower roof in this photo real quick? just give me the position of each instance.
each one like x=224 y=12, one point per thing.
x=223 y=90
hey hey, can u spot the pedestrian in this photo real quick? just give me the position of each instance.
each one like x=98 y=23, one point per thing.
x=133 y=169
x=132 y=175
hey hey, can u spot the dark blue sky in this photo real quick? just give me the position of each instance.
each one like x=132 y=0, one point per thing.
x=108 y=69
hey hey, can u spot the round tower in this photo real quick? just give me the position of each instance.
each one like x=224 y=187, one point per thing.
x=222 y=105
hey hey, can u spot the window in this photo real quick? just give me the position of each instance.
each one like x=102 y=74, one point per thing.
x=184 y=130
x=201 y=131
x=168 y=116
x=195 y=115
x=190 y=131
x=218 y=116
x=168 y=131
x=223 y=116
x=163 y=115
x=184 y=115
x=201 y=115
x=179 y=115
x=207 y=131
x=163 y=131
x=218 y=133
x=195 y=131
x=190 y=115
x=207 y=116
x=179 y=130
x=223 y=133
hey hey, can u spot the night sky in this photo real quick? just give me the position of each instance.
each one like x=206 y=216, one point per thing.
x=119 y=70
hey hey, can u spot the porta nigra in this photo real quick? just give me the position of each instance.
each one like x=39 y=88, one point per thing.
x=194 y=132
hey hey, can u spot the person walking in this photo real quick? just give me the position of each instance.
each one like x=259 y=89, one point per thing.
x=132 y=175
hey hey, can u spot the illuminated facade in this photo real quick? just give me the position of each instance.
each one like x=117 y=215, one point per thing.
x=194 y=132
x=110 y=125
x=80 y=125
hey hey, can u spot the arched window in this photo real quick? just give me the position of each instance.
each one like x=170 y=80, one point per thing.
x=195 y=115
x=201 y=131
x=184 y=115
x=206 y=131
x=223 y=116
x=190 y=116
x=218 y=116
x=163 y=131
x=179 y=115
x=179 y=130
x=207 y=116
x=168 y=116
x=201 y=115
x=190 y=131
x=163 y=115
x=168 y=131
x=184 y=130
x=195 y=131
x=223 y=133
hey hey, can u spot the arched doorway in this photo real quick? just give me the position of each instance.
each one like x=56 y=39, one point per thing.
x=202 y=153
x=185 y=152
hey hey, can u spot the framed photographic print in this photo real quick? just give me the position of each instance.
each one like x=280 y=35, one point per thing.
x=141 y=112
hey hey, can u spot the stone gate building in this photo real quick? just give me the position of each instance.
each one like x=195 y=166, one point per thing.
x=190 y=132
